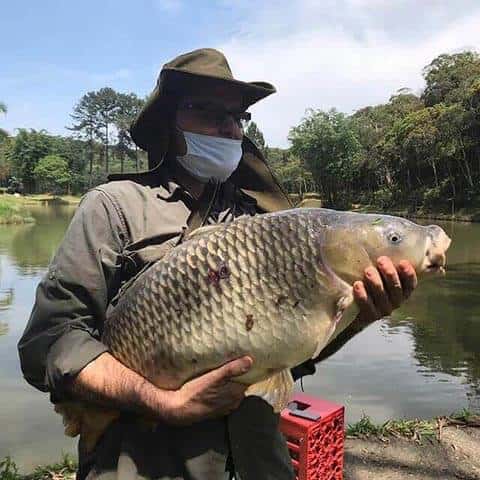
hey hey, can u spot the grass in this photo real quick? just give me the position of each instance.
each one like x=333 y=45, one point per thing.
x=416 y=429
x=13 y=210
x=63 y=470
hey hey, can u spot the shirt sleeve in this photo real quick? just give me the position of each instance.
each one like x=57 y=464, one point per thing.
x=63 y=332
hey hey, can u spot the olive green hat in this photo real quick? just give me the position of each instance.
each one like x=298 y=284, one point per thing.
x=194 y=72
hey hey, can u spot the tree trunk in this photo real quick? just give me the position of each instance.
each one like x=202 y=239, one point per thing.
x=106 y=147
x=434 y=168
x=91 y=153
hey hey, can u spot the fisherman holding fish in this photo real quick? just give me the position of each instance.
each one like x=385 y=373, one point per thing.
x=202 y=171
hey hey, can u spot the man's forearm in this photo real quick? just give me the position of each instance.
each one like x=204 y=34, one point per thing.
x=107 y=382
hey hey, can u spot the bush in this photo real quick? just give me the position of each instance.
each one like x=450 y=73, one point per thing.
x=384 y=197
x=432 y=196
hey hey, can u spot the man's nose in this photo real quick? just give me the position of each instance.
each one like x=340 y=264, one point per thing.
x=229 y=128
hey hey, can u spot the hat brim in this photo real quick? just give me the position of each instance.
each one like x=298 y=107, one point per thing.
x=150 y=128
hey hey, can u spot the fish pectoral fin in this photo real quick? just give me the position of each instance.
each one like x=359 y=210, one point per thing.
x=88 y=421
x=276 y=390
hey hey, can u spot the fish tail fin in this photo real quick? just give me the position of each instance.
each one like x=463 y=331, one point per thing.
x=88 y=421
x=277 y=389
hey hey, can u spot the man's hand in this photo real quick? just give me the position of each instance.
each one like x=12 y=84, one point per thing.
x=384 y=288
x=210 y=395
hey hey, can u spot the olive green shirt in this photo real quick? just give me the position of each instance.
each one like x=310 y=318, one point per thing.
x=117 y=230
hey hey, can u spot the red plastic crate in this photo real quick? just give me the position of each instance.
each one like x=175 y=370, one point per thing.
x=314 y=429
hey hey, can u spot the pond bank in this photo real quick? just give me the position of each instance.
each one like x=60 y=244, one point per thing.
x=461 y=215
x=471 y=214
x=14 y=209
x=439 y=449
x=454 y=456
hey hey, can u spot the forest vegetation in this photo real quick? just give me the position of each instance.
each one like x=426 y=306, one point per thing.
x=418 y=149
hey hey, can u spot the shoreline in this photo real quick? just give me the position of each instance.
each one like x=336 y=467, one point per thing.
x=471 y=215
x=14 y=210
x=462 y=215
x=441 y=448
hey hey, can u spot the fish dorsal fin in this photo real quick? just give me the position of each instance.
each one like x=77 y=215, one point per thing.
x=206 y=230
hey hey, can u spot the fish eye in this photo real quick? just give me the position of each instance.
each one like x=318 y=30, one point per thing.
x=394 y=237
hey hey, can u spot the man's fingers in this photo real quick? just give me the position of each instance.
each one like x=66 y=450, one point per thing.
x=408 y=277
x=391 y=281
x=374 y=285
x=232 y=369
x=364 y=302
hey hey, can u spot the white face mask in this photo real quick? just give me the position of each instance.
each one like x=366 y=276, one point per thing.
x=210 y=157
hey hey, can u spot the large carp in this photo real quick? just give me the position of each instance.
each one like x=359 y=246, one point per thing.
x=275 y=286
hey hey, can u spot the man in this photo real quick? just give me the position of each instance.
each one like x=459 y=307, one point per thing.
x=202 y=170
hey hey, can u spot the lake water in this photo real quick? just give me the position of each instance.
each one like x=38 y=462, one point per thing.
x=422 y=362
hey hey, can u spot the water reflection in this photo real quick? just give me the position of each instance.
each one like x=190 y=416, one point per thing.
x=31 y=247
x=444 y=317
x=6 y=298
x=3 y=328
x=26 y=417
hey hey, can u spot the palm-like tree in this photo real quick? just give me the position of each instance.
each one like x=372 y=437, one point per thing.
x=3 y=109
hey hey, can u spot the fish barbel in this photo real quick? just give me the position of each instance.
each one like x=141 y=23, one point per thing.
x=276 y=287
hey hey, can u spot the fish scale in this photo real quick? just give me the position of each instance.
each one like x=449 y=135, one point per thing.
x=246 y=249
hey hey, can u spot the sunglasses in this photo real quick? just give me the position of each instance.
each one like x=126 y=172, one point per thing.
x=215 y=115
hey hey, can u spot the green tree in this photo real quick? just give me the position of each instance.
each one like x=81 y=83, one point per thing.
x=3 y=133
x=53 y=174
x=94 y=117
x=294 y=177
x=29 y=146
x=85 y=124
x=5 y=163
x=129 y=106
x=256 y=136
x=329 y=147
x=448 y=77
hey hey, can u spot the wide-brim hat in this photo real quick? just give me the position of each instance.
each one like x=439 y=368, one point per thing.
x=196 y=72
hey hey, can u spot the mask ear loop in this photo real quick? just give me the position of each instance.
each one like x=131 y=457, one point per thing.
x=176 y=130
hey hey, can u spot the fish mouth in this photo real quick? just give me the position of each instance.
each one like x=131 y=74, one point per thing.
x=436 y=268
x=437 y=246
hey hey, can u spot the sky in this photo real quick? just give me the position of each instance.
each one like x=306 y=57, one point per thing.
x=321 y=54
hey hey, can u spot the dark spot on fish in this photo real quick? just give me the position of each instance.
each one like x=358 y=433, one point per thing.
x=213 y=276
x=296 y=303
x=249 y=322
x=281 y=299
x=194 y=361
x=312 y=285
x=223 y=271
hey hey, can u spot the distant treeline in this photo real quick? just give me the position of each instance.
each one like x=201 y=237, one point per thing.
x=418 y=150
x=414 y=150
x=100 y=144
